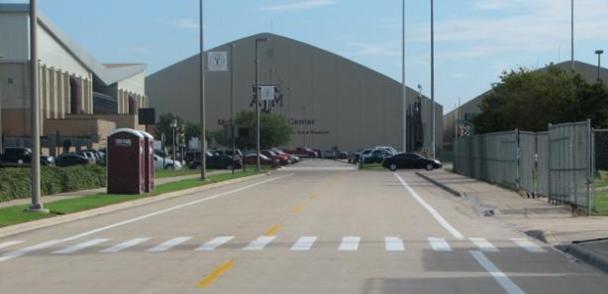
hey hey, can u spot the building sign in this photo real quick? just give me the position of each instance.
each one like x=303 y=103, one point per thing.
x=267 y=93
x=217 y=61
x=123 y=142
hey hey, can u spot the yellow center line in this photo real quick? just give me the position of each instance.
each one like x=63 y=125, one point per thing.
x=312 y=195
x=298 y=208
x=216 y=274
x=272 y=231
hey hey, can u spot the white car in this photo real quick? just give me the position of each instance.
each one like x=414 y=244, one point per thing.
x=166 y=163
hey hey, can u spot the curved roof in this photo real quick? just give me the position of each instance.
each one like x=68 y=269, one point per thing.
x=107 y=74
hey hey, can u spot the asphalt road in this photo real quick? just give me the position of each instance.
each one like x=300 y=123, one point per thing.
x=316 y=228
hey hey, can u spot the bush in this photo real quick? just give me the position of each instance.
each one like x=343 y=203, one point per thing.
x=16 y=183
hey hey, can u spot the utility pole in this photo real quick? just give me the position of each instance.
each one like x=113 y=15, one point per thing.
x=572 y=35
x=232 y=104
x=203 y=140
x=404 y=88
x=37 y=205
x=257 y=102
x=599 y=63
x=433 y=77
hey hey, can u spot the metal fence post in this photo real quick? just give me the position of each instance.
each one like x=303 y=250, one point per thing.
x=590 y=170
x=549 y=160
x=518 y=156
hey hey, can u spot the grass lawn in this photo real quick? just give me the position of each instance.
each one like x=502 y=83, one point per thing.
x=168 y=173
x=16 y=214
x=373 y=166
x=601 y=194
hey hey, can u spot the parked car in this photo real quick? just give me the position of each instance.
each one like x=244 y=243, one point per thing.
x=411 y=161
x=294 y=158
x=71 y=159
x=166 y=163
x=218 y=161
x=264 y=160
x=343 y=155
x=282 y=159
x=303 y=152
x=330 y=154
x=20 y=156
x=377 y=156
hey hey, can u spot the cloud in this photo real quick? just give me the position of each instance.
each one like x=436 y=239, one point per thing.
x=183 y=23
x=298 y=5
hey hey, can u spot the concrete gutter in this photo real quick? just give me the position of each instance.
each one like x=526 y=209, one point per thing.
x=579 y=251
x=440 y=185
x=52 y=221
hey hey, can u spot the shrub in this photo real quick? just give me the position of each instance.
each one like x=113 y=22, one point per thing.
x=16 y=183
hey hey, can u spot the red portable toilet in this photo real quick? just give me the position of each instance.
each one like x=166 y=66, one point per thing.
x=126 y=162
x=149 y=161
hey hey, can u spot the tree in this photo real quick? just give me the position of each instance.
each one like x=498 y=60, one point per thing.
x=275 y=131
x=164 y=126
x=530 y=100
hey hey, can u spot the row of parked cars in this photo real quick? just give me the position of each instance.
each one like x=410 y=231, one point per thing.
x=391 y=159
x=21 y=156
x=225 y=159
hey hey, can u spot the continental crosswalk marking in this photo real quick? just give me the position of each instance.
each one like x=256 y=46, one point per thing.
x=484 y=244
x=124 y=245
x=439 y=244
x=165 y=246
x=393 y=244
x=528 y=245
x=350 y=243
x=259 y=243
x=10 y=243
x=215 y=243
x=304 y=243
x=80 y=246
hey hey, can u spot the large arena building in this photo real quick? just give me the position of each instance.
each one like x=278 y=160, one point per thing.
x=330 y=101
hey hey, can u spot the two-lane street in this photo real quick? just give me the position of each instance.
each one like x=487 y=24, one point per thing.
x=320 y=229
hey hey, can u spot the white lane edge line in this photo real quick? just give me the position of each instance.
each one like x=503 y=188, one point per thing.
x=260 y=243
x=484 y=245
x=215 y=243
x=167 y=245
x=439 y=244
x=528 y=245
x=349 y=243
x=393 y=244
x=10 y=243
x=304 y=243
x=80 y=246
x=499 y=276
x=442 y=221
x=124 y=245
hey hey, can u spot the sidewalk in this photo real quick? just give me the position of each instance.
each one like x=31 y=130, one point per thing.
x=552 y=224
x=67 y=195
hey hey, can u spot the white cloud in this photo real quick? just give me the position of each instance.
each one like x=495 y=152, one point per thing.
x=298 y=5
x=184 y=23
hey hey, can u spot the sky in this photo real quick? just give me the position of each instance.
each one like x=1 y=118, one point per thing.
x=475 y=39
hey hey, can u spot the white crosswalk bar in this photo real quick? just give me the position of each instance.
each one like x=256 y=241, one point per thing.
x=528 y=245
x=215 y=243
x=259 y=243
x=439 y=244
x=350 y=243
x=80 y=246
x=484 y=244
x=167 y=245
x=10 y=243
x=304 y=243
x=393 y=244
x=124 y=245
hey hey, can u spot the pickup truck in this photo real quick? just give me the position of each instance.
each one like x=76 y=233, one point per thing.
x=303 y=152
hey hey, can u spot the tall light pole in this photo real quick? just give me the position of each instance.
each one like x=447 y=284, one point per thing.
x=433 y=77
x=257 y=102
x=173 y=127
x=203 y=140
x=599 y=63
x=232 y=104
x=37 y=205
x=572 y=35
x=404 y=87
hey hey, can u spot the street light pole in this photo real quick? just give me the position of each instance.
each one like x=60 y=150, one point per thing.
x=173 y=127
x=599 y=63
x=404 y=87
x=232 y=104
x=433 y=77
x=257 y=102
x=203 y=140
x=572 y=35
x=37 y=205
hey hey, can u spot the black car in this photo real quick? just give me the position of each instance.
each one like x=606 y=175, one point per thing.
x=71 y=159
x=410 y=160
x=20 y=156
x=218 y=161
x=377 y=156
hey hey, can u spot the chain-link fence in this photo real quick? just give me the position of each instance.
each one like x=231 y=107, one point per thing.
x=557 y=163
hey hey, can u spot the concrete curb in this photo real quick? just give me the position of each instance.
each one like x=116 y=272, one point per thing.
x=588 y=256
x=440 y=185
x=52 y=221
